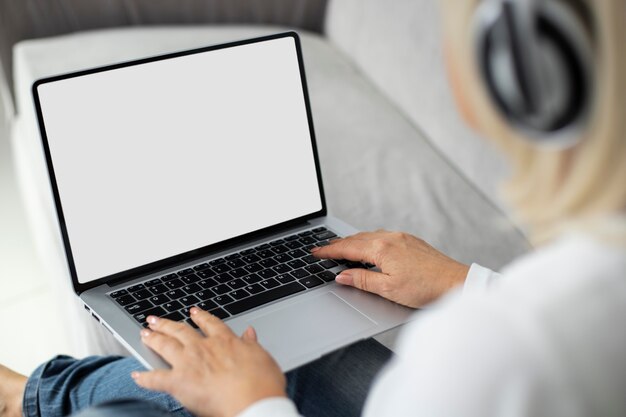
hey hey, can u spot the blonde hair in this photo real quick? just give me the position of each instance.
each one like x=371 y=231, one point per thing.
x=555 y=190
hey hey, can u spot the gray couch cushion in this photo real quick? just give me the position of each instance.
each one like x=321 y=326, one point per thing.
x=398 y=46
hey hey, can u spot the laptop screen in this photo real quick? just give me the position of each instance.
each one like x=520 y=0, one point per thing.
x=161 y=158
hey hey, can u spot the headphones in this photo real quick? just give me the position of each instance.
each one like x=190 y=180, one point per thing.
x=535 y=58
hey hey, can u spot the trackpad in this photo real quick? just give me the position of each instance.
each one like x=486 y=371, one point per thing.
x=309 y=325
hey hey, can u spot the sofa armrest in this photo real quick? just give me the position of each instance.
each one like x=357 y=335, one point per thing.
x=26 y=19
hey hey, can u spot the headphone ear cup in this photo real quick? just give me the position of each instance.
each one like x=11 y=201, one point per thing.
x=534 y=62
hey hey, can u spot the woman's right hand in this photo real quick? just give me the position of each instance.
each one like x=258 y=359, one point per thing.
x=413 y=273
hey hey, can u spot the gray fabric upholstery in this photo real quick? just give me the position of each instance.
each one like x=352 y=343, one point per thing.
x=397 y=45
x=27 y=19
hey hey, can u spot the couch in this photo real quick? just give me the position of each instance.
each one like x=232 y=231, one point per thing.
x=394 y=153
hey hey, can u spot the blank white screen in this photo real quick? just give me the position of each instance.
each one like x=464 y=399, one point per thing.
x=158 y=159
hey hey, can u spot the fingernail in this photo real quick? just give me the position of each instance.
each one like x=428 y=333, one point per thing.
x=134 y=375
x=315 y=249
x=194 y=310
x=145 y=333
x=152 y=319
x=344 y=278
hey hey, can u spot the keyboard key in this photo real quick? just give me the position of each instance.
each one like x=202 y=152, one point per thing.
x=189 y=301
x=175 y=283
x=223 y=299
x=282 y=258
x=293 y=245
x=326 y=276
x=185 y=271
x=267 y=273
x=262 y=247
x=207 y=305
x=118 y=293
x=190 y=279
x=215 y=262
x=250 y=259
x=297 y=253
x=139 y=307
x=281 y=269
x=175 y=316
x=221 y=268
x=205 y=295
x=266 y=263
x=155 y=311
x=158 y=289
x=219 y=313
x=308 y=240
x=252 y=279
x=175 y=294
x=221 y=289
x=142 y=294
x=239 y=294
x=254 y=288
x=296 y=263
x=191 y=289
x=253 y=268
x=207 y=273
x=265 y=254
x=207 y=283
x=291 y=238
x=223 y=278
x=304 y=234
x=270 y=283
x=319 y=229
x=247 y=252
x=352 y=264
x=280 y=249
x=125 y=300
x=314 y=269
x=134 y=288
x=236 y=263
x=201 y=267
x=172 y=306
x=159 y=299
x=299 y=273
x=277 y=242
x=237 y=283
x=310 y=259
x=370 y=266
x=328 y=263
x=152 y=282
x=169 y=277
x=285 y=278
x=264 y=298
x=325 y=235
x=311 y=282
x=238 y=273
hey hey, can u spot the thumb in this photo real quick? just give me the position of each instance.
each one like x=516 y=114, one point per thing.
x=370 y=281
x=157 y=380
x=249 y=335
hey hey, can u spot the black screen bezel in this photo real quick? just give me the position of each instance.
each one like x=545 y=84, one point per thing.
x=195 y=253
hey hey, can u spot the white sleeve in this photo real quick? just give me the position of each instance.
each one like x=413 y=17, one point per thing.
x=479 y=279
x=271 y=407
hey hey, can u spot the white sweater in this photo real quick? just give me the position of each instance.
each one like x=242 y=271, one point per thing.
x=545 y=338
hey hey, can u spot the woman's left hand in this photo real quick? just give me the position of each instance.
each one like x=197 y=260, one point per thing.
x=217 y=375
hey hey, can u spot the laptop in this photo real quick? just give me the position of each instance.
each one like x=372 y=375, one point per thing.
x=192 y=179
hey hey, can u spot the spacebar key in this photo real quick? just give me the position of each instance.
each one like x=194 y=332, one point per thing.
x=264 y=297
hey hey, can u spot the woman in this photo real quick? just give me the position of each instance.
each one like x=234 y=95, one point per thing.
x=544 y=338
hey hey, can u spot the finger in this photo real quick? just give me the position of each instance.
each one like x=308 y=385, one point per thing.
x=169 y=348
x=249 y=335
x=180 y=331
x=350 y=249
x=158 y=380
x=374 y=282
x=209 y=324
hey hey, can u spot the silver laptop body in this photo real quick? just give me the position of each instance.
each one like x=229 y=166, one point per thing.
x=193 y=179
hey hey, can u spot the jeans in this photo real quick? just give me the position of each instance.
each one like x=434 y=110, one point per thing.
x=335 y=385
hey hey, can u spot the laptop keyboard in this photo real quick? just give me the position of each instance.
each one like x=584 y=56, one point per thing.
x=238 y=282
